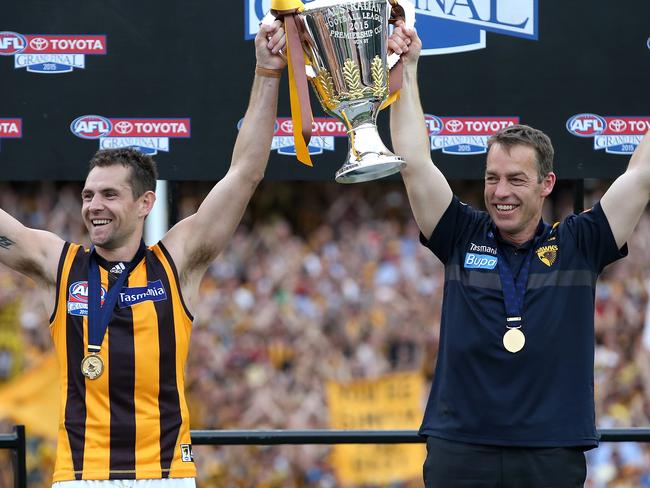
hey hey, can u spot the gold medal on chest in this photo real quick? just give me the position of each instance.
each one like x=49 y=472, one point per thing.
x=92 y=366
x=514 y=340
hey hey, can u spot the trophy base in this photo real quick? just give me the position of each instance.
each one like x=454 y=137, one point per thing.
x=371 y=167
x=368 y=158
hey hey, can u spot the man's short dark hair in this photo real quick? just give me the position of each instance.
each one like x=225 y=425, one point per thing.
x=144 y=172
x=519 y=134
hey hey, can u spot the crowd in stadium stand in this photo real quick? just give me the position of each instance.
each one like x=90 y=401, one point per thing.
x=320 y=282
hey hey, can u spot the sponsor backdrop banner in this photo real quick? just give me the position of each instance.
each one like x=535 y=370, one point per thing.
x=173 y=79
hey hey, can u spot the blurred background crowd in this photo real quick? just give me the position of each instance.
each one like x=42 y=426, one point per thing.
x=326 y=282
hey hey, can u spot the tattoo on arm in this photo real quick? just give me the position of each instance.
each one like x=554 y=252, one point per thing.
x=5 y=242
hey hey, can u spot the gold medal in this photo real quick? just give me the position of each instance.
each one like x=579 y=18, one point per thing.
x=92 y=366
x=514 y=340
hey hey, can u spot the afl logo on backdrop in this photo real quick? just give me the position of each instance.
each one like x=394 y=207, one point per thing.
x=51 y=53
x=11 y=43
x=144 y=134
x=586 y=125
x=434 y=124
x=91 y=126
x=615 y=135
x=461 y=136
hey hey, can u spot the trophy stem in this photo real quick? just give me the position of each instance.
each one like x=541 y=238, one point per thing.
x=368 y=159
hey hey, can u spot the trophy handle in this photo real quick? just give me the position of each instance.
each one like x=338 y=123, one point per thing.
x=404 y=10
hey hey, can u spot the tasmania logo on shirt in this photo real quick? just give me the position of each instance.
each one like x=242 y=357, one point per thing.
x=154 y=291
x=78 y=298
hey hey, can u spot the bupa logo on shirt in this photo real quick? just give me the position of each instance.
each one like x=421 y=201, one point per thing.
x=480 y=261
x=154 y=291
x=78 y=298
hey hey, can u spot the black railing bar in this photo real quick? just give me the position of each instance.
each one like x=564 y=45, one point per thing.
x=625 y=435
x=9 y=441
x=275 y=437
x=16 y=442
x=272 y=437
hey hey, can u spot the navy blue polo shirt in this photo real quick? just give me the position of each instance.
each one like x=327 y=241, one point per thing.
x=542 y=395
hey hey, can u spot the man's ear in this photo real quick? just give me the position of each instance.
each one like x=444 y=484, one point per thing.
x=147 y=199
x=548 y=183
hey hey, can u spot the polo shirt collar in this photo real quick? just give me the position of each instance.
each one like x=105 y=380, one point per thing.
x=541 y=228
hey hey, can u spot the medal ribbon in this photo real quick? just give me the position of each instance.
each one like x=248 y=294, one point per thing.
x=514 y=290
x=98 y=315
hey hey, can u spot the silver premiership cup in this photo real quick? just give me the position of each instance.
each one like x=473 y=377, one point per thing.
x=345 y=45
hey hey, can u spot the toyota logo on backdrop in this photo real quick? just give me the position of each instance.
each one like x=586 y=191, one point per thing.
x=38 y=44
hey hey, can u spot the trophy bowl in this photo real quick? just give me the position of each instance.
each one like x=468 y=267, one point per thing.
x=345 y=45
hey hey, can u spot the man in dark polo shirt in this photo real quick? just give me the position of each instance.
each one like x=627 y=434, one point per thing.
x=512 y=401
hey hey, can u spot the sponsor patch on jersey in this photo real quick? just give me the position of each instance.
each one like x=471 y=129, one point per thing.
x=78 y=298
x=480 y=261
x=482 y=248
x=187 y=456
x=154 y=292
x=548 y=254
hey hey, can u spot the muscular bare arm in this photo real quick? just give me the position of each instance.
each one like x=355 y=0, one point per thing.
x=34 y=253
x=627 y=198
x=197 y=240
x=428 y=191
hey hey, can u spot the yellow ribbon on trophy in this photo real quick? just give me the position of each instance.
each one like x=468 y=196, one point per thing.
x=301 y=115
x=287 y=5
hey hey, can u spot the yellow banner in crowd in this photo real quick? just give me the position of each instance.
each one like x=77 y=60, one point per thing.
x=391 y=402
x=32 y=399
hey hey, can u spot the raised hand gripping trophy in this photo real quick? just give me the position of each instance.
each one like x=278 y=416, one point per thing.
x=340 y=46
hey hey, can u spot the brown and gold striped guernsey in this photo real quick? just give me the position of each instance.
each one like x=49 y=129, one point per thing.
x=132 y=422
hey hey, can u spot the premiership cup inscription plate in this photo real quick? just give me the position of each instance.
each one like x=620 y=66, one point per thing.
x=345 y=43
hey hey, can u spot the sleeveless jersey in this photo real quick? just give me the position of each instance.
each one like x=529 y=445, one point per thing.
x=131 y=422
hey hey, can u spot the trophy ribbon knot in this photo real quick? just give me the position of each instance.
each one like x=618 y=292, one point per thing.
x=301 y=114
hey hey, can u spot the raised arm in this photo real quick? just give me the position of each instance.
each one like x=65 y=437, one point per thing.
x=427 y=189
x=34 y=253
x=197 y=240
x=628 y=196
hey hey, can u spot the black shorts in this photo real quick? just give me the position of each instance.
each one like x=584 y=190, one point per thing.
x=459 y=465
